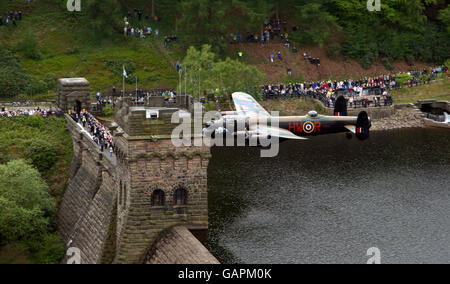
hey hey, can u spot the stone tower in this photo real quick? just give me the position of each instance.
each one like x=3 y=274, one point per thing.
x=73 y=94
x=160 y=186
x=122 y=209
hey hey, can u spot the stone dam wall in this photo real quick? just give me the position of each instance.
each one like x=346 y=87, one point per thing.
x=107 y=211
x=86 y=209
x=115 y=209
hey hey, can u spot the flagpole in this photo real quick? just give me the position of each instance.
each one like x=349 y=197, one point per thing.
x=136 y=90
x=123 y=88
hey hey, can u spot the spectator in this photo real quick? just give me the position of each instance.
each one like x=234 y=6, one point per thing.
x=279 y=55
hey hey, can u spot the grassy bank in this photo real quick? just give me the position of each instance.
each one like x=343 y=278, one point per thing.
x=60 y=48
x=439 y=90
x=293 y=106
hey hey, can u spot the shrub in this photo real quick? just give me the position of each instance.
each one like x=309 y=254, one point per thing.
x=25 y=202
x=36 y=86
x=210 y=106
x=48 y=249
x=403 y=78
x=50 y=81
x=30 y=48
x=447 y=63
x=410 y=59
x=13 y=78
x=72 y=50
x=387 y=63
x=41 y=153
x=334 y=50
x=367 y=60
x=116 y=67
x=107 y=110
x=23 y=97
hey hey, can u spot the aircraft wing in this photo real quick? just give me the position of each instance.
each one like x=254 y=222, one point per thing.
x=246 y=105
x=274 y=132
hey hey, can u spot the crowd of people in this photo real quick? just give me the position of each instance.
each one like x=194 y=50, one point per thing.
x=273 y=28
x=10 y=18
x=141 y=95
x=137 y=32
x=138 y=97
x=145 y=31
x=373 y=91
x=44 y=112
x=100 y=134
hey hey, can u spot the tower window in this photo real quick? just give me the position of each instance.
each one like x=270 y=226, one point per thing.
x=180 y=197
x=158 y=198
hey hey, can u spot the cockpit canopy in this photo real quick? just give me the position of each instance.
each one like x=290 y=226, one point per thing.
x=313 y=113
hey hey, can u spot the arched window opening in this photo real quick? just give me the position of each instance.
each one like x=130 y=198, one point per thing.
x=180 y=197
x=158 y=198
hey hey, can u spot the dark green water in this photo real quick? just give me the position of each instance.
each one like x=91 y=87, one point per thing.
x=328 y=200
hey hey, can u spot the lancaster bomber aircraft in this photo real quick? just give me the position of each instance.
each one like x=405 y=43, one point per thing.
x=252 y=121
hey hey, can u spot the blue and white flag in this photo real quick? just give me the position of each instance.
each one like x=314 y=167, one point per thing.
x=125 y=72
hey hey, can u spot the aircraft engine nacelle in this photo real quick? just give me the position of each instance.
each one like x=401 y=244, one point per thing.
x=363 y=124
x=235 y=123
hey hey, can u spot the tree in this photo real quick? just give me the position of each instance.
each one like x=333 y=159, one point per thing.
x=213 y=21
x=233 y=75
x=316 y=24
x=229 y=75
x=199 y=64
x=102 y=18
x=42 y=154
x=25 y=202
x=169 y=10
x=203 y=22
x=444 y=17
x=13 y=78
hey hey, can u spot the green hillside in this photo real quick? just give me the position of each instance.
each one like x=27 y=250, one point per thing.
x=51 y=41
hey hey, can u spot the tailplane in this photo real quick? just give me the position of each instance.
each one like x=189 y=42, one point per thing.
x=363 y=125
x=340 y=106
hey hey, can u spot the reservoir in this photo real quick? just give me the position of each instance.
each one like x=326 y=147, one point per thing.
x=329 y=199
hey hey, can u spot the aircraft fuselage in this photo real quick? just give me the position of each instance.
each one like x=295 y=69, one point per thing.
x=312 y=126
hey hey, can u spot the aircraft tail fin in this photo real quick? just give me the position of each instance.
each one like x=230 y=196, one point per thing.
x=340 y=106
x=363 y=125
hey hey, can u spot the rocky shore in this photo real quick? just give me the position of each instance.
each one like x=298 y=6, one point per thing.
x=407 y=116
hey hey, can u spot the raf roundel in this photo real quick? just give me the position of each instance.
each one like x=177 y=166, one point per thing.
x=308 y=127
